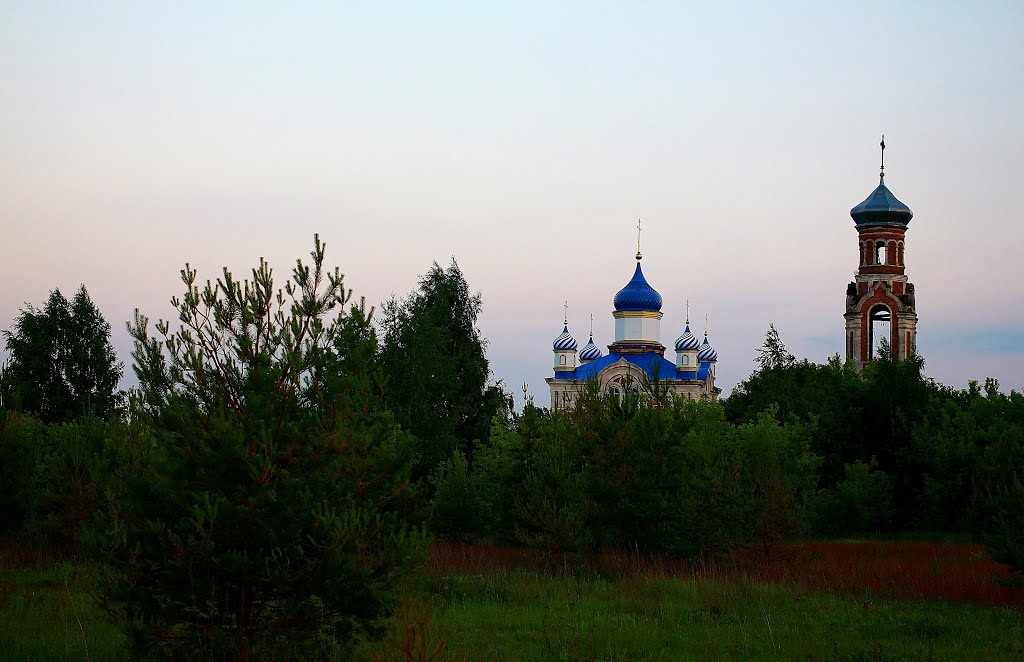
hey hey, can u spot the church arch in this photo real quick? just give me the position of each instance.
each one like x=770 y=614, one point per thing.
x=879 y=327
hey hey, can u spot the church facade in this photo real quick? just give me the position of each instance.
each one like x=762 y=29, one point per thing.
x=636 y=357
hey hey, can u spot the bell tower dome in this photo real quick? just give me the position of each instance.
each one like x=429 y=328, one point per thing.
x=880 y=300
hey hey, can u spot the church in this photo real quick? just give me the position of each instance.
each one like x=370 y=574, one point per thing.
x=636 y=357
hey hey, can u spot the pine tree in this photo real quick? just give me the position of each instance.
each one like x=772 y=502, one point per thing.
x=271 y=522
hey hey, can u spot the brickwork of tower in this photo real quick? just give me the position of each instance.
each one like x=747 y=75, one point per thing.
x=880 y=290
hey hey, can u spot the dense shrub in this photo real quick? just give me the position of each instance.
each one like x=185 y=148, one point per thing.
x=860 y=503
x=22 y=443
x=663 y=475
x=1005 y=537
x=454 y=509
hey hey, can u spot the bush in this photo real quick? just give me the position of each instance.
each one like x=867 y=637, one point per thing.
x=657 y=475
x=1005 y=538
x=455 y=508
x=860 y=503
x=22 y=443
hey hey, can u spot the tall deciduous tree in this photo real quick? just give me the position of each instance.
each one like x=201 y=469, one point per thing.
x=773 y=355
x=437 y=371
x=62 y=364
x=272 y=519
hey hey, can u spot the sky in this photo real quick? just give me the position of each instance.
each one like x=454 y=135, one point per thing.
x=525 y=140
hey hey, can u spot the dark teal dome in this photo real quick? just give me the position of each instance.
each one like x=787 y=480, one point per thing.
x=638 y=294
x=881 y=210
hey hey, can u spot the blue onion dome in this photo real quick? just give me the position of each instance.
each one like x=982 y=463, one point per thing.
x=707 y=352
x=565 y=342
x=638 y=294
x=881 y=210
x=590 y=351
x=687 y=342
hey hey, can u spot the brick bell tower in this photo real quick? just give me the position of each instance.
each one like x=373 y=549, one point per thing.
x=880 y=300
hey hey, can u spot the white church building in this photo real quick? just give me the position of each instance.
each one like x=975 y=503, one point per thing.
x=636 y=356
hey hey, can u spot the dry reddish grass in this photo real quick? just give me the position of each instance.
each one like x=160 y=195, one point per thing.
x=931 y=571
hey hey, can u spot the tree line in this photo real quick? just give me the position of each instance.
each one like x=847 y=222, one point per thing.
x=270 y=487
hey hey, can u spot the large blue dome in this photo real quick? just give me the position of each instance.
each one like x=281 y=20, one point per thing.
x=638 y=294
x=881 y=210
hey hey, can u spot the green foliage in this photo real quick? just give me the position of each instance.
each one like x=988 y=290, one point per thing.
x=668 y=476
x=825 y=397
x=899 y=451
x=860 y=503
x=550 y=504
x=433 y=356
x=455 y=508
x=22 y=443
x=779 y=474
x=272 y=515
x=773 y=355
x=1005 y=538
x=62 y=364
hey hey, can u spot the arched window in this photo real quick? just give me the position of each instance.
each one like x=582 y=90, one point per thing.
x=880 y=253
x=685 y=360
x=623 y=384
x=880 y=319
x=561 y=359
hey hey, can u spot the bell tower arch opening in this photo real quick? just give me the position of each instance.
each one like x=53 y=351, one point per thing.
x=880 y=321
x=880 y=252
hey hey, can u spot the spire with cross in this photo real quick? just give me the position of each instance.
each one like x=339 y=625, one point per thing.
x=882 y=145
x=638 y=255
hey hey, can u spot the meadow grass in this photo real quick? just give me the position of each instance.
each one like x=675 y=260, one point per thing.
x=47 y=613
x=643 y=612
x=530 y=615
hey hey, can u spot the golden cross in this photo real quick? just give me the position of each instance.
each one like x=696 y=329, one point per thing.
x=687 y=312
x=638 y=238
x=565 y=305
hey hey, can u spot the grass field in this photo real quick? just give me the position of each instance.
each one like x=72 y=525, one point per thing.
x=825 y=601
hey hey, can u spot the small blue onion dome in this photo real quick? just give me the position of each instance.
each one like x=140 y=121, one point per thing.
x=638 y=294
x=881 y=210
x=687 y=342
x=565 y=342
x=707 y=352
x=590 y=351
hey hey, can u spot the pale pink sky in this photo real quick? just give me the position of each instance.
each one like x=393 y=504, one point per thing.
x=525 y=141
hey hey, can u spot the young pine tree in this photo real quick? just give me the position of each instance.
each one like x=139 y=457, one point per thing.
x=272 y=519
